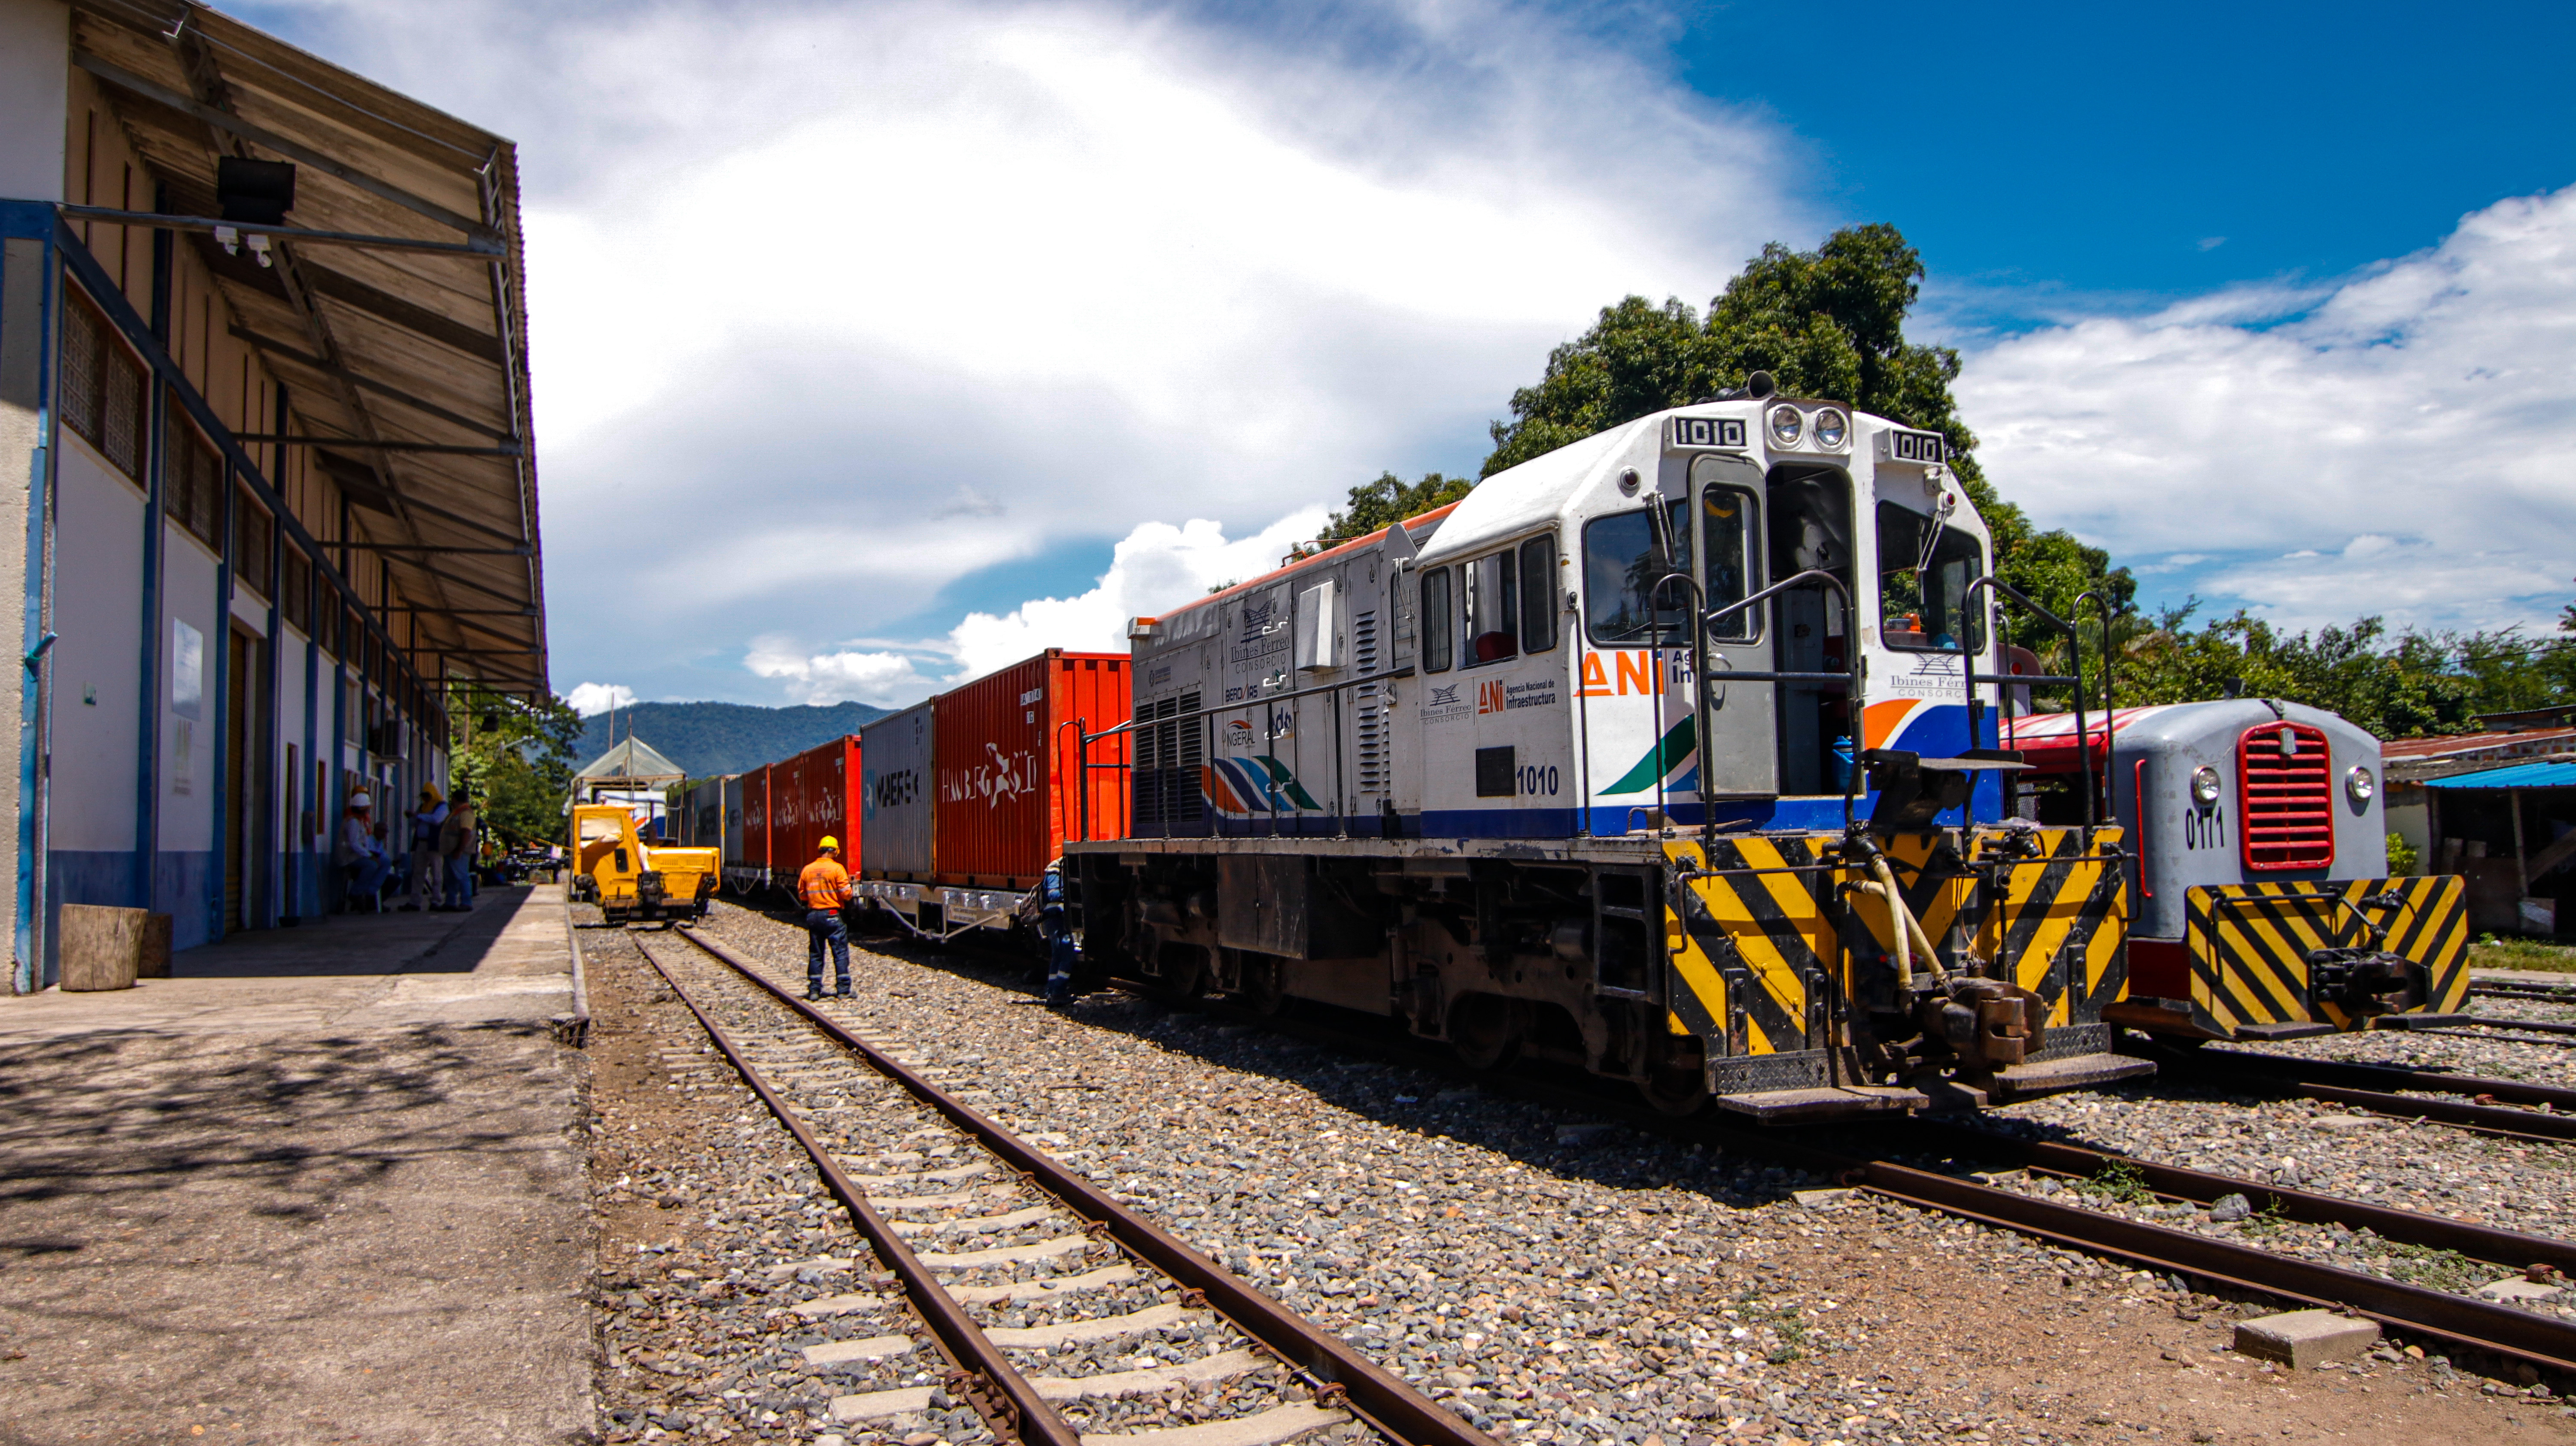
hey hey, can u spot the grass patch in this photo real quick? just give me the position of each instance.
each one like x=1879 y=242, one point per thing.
x=2120 y=1183
x=2490 y=952
x=1793 y=1339
x=2437 y=1269
x=2269 y=1221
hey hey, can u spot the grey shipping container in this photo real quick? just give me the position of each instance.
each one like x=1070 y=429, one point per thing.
x=895 y=839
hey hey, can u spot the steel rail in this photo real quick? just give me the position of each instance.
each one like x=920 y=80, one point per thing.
x=2552 y=993
x=2532 y=1026
x=2341 y=1074
x=1382 y=1400
x=2432 y=1314
x=2509 y=1248
x=1000 y=1394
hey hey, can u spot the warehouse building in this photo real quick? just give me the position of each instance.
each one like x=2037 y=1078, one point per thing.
x=270 y=490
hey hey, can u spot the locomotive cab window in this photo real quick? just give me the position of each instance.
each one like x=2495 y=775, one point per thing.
x=1923 y=577
x=1538 y=594
x=1726 y=517
x=1435 y=621
x=1619 y=573
x=1492 y=597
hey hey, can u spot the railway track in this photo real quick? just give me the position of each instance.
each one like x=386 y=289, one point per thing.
x=940 y=1173
x=2514 y=1108
x=2431 y=1315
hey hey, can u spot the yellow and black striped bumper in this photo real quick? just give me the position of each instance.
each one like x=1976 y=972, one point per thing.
x=2277 y=960
x=1779 y=976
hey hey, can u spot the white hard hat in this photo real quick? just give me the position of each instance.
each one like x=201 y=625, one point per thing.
x=360 y=800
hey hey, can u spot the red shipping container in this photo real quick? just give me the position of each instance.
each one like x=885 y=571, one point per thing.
x=827 y=781
x=1009 y=789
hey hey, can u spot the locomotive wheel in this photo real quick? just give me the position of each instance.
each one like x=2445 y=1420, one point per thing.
x=1674 y=1092
x=1184 y=973
x=1486 y=1030
x=1264 y=992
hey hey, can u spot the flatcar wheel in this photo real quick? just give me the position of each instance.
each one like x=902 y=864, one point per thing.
x=1486 y=1030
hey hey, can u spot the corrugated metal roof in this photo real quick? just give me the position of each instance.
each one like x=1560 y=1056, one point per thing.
x=2553 y=774
x=408 y=368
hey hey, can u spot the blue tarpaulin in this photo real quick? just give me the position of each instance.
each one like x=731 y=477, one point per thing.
x=2553 y=773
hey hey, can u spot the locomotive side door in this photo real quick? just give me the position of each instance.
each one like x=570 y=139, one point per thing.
x=1737 y=722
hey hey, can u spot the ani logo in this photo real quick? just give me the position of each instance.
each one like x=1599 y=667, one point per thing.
x=1489 y=696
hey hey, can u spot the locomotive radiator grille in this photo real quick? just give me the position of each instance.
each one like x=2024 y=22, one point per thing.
x=1368 y=727
x=2285 y=797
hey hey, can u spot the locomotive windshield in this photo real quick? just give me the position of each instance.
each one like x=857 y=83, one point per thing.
x=1921 y=589
x=1619 y=571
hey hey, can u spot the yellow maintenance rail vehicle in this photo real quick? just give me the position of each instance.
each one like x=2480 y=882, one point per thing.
x=632 y=880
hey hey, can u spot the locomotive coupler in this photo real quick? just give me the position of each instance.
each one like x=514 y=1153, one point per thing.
x=1988 y=1024
x=2358 y=980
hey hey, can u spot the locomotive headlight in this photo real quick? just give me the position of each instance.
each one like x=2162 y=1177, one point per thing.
x=2204 y=786
x=2359 y=785
x=1832 y=427
x=1788 y=424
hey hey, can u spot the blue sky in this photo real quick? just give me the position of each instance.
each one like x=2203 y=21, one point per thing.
x=2053 y=155
x=948 y=331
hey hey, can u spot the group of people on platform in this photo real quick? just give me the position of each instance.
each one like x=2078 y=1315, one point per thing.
x=434 y=872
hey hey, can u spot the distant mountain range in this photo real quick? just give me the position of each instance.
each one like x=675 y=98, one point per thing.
x=712 y=738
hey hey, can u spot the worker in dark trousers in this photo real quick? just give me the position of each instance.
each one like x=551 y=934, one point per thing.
x=823 y=888
x=1058 y=935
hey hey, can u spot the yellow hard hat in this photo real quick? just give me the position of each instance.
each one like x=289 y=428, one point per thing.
x=830 y=842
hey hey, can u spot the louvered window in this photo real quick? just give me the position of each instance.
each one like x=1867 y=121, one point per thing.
x=2285 y=796
x=192 y=488
x=1169 y=752
x=1370 y=728
x=102 y=396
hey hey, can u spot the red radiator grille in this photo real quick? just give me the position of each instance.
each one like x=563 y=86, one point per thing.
x=2285 y=798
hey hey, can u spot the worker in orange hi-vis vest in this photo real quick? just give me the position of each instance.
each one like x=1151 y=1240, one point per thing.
x=823 y=888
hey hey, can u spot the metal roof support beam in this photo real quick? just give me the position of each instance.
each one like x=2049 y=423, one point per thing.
x=293 y=150
x=275 y=347
x=358 y=444
x=292 y=233
x=522 y=550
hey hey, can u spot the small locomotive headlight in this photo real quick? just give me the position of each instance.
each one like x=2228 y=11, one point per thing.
x=2360 y=784
x=1788 y=424
x=1832 y=428
x=2204 y=786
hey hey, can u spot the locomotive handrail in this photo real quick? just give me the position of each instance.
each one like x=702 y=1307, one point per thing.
x=1856 y=682
x=1209 y=711
x=2102 y=602
x=2074 y=655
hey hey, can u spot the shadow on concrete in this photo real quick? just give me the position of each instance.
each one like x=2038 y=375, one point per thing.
x=358 y=944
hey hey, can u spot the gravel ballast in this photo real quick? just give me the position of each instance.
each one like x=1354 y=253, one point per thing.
x=1555 y=1278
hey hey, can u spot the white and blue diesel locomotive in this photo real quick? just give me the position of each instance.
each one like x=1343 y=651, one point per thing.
x=1669 y=754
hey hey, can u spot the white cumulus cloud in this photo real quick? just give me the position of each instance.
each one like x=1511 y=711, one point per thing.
x=1157 y=567
x=589 y=698
x=2400 y=443
x=836 y=306
x=842 y=676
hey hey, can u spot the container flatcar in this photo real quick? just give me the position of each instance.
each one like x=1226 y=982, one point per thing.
x=1670 y=754
x=980 y=788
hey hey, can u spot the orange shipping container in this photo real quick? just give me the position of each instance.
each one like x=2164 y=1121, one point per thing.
x=1009 y=789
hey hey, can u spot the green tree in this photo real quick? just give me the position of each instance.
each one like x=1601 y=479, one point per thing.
x=1389 y=500
x=2397 y=686
x=516 y=754
x=1827 y=323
